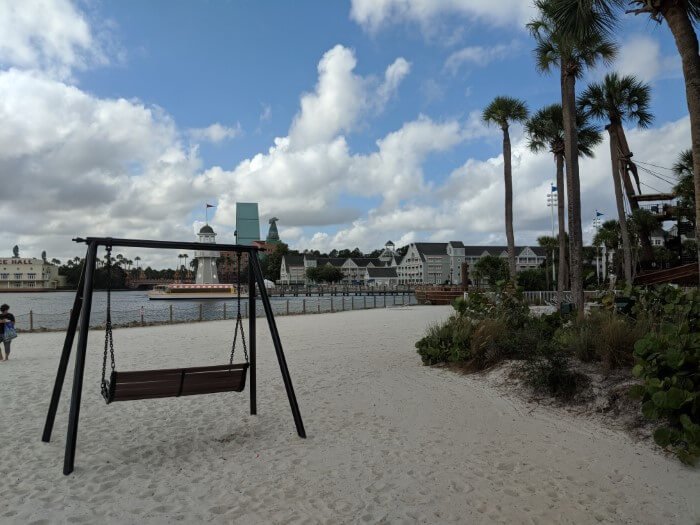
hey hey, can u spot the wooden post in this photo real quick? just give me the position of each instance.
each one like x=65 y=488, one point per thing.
x=250 y=305
x=224 y=311
x=31 y=320
x=303 y=306
x=65 y=356
x=375 y=301
x=318 y=305
x=286 y=378
x=142 y=316
x=331 y=303
x=200 y=311
x=74 y=412
x=171 y=312
x=287 y=307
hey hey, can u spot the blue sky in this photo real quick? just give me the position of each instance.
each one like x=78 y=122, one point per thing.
x=353 y=122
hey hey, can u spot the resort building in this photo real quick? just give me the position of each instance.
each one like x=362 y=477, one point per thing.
x=423 y=263
x=28 y=273
x=437 y=263
x=381 y=277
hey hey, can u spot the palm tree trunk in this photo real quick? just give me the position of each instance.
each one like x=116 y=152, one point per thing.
x=621 y=215
x=561 y=194
x=568 y=103
x=624 y=151
x=676 y=16
x=508 y=176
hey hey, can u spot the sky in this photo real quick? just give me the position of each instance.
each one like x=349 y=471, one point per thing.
x=354 y=122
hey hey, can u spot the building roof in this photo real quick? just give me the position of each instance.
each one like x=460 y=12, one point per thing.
x=496 y=251
x=293 y=260
x=431 y=248
x=457 y=244
x=206 y=229
x=364 y=261
x=333 y=261
x=374 y=273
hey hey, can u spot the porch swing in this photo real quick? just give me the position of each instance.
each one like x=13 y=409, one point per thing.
x=150 y=384
x=171 y=382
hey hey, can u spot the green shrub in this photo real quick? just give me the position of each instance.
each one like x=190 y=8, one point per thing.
x=547 y=371
x=447 y=342
x=489 y=343
x=476 y=306
x=578 y=339
x=668 y=360
x=614 y=337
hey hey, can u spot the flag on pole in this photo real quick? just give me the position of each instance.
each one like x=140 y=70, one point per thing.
x=554 y=188
x=210 y=206
x=598 y=214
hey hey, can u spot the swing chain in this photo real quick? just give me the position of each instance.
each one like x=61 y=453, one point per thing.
x=239 y=317
x=109 y=342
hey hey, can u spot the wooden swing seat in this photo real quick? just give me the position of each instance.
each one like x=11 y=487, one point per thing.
x=175 y=382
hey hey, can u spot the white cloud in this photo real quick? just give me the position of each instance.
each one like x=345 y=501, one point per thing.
x=374 y=14
x=266 y=113
x=216 y=133
x=478 y=56
x=393 y=76
x=641 y=56
x=341 y=98
x=50 y=36
x=469 y=205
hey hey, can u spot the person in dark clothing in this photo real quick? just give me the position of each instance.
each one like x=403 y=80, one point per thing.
x=5 y=317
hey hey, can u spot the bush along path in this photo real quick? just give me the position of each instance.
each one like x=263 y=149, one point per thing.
x=656 y=342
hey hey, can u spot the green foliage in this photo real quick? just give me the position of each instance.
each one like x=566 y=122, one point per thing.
x=494 y=269
x=668 y=361
x=272 y=262
x=547 y=370
x=324 y=274
x=533 y=279
x=476 y=306
x=447 y=342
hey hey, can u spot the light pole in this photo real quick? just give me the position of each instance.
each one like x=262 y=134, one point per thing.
x=552 y=202
x=596 y=227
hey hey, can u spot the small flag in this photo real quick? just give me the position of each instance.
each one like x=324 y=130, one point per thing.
x=210 y=206
x=598 y=214
x=554 y=188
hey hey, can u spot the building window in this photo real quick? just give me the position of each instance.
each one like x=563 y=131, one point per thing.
x=4 y=276
x=18 y=276
x=31 y=276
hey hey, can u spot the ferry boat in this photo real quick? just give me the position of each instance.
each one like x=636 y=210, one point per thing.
x=190 y=291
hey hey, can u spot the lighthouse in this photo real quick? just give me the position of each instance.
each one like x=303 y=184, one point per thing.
x=206 y=260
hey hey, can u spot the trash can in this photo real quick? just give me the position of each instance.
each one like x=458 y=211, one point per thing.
x=566 y=308
x=623 y=305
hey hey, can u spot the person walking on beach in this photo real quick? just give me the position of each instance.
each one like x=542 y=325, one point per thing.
x=5 y=319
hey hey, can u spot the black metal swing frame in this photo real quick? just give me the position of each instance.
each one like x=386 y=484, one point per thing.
x=80 y=318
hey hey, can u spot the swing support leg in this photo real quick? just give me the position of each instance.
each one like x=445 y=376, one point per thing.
x=74 y=413
x=251 y=335
x=255 y=264
x=65 y=357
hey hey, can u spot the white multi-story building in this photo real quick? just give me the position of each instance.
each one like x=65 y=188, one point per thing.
x=437 y=262
x=423 y=263
x=19 y=272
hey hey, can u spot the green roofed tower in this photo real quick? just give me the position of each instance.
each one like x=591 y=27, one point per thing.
x=273 y=237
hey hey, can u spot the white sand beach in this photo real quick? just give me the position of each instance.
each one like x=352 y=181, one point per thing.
x=389 y=440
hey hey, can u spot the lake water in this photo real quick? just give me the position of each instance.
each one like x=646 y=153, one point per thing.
x=51 y=310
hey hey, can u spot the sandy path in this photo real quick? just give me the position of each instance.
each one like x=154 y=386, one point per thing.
x=389 y=440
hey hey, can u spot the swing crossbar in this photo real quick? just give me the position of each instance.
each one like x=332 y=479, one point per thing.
x=175 y=382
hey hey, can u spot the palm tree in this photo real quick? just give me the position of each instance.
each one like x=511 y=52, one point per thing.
x=137 y=259
x=572 y=54
x=56 y=262
x=684 y=190
x=503 y=111
x=680 y=15
x=616 y=100
x=545 y=130
x=185 y=256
